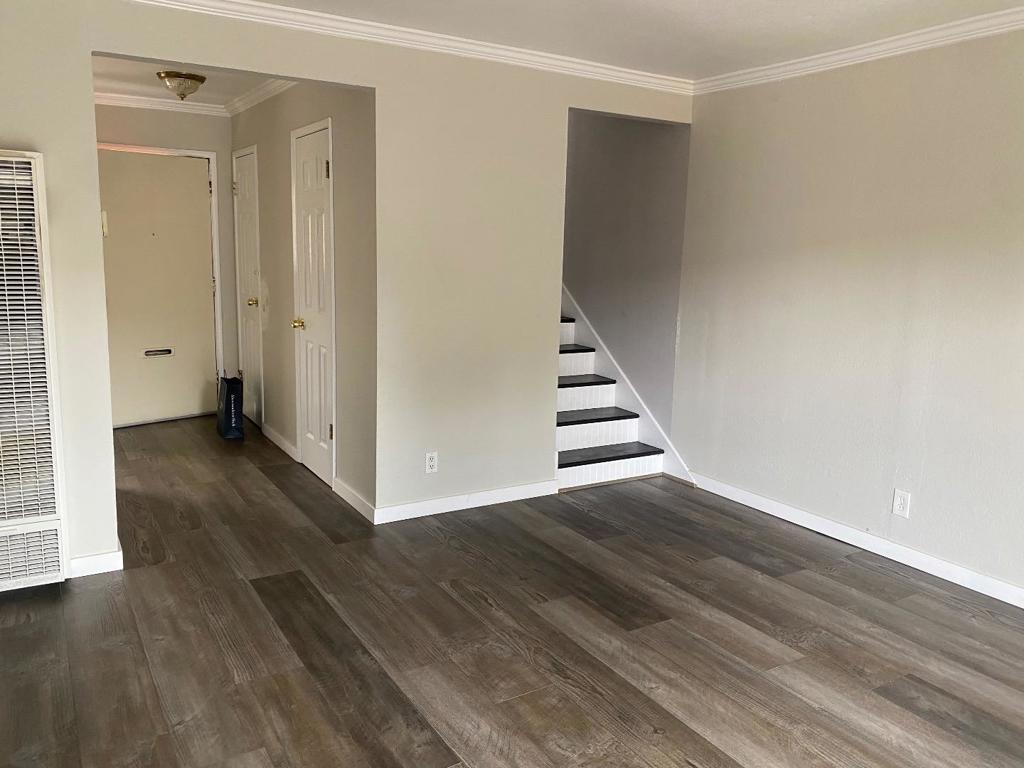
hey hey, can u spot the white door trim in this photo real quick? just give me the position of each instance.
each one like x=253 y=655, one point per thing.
x=211 y=158
x=250 y=150
x=297 y=134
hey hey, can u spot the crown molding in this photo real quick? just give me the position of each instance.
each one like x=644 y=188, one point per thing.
x=260 y=93
x=149 y=102
x=357 y=29
x=251 y=98
x=931 y=37
x=339 y=26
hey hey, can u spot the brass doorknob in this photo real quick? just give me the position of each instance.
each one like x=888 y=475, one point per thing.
x=299 y=323
x=253 y=301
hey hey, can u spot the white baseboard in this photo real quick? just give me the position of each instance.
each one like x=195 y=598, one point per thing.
x=364 y=507
x=986 y=585
x=413 y=509
x=90 y=565
x=164 y=419
x=280 y=442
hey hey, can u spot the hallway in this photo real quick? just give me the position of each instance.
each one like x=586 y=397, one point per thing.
x=260 y=622
x=181 y=487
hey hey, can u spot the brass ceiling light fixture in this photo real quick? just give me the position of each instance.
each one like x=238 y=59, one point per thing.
x=182 y=83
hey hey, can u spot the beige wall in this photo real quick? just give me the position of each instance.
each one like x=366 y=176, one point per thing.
x=625 y=201
x=157 y=260
x=852 y=303
x=470 y=182
x=268 y=125
x=178 y=130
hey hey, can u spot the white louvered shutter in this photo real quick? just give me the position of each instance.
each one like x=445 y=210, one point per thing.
x=31 y=533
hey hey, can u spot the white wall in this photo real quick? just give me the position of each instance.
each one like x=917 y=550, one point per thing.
x=852 y=297
x=470 y=182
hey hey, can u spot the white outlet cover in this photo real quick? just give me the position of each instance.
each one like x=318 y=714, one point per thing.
x=430 y=462
x=901 y=503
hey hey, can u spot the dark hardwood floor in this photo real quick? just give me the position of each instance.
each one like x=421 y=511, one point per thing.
x=261 y=623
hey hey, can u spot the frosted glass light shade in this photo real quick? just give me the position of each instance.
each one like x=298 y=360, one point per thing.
x=182 y=83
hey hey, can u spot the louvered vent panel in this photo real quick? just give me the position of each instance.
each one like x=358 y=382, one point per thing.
x=30 y=557
x=27 y=487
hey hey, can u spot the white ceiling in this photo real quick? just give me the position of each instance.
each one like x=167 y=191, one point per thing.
x=129 y=77
x=689 y=39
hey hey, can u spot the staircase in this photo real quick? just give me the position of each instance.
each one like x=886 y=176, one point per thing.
x=597 y=441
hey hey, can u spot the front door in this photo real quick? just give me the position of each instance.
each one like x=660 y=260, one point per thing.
x=158 y=263
x=314 y=297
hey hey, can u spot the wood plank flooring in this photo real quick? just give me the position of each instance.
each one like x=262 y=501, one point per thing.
x=262 y=623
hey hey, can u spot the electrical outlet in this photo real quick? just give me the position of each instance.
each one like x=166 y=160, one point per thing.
x=430 y=462
x=901 y=503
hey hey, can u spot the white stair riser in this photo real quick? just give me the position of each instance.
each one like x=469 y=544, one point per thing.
x=568 y=333
x=607 y=471
x=578 y=398
x=600 y=433
x=575 y=364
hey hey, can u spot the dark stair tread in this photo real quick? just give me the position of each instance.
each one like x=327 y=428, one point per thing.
x=567 y=319
x=573 y=349
x=583 y=380
x=581 y=456
x=594 y=415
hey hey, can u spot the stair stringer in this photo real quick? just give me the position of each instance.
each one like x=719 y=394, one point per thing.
x=626 y=395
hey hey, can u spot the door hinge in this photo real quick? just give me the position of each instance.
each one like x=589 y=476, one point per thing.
x=210 y=185
x=328 y=169
x=234 y=187
x=330 y=431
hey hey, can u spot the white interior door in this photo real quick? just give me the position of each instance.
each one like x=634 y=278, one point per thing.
x=250 y=297
x=314 y=296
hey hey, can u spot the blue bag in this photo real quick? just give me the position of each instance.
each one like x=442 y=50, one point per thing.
x=230 y=424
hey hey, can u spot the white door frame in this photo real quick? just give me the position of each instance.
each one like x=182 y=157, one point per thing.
x=250 y=150
x=297 y=134
x=211 y=158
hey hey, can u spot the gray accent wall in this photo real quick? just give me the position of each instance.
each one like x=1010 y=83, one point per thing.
x=624 y=212
x=853 y=298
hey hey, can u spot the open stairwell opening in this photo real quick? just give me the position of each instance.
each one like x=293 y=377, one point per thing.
x=597 y=440
x=625 y=203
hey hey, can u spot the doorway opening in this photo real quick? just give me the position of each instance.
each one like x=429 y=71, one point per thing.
x=625 y=199
x=287 y=174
